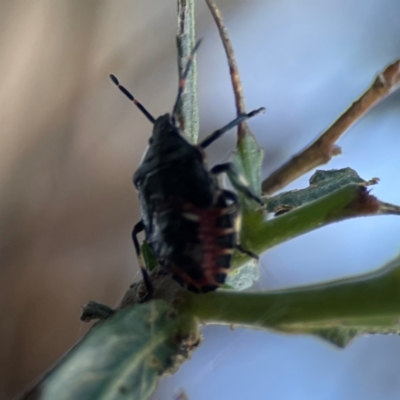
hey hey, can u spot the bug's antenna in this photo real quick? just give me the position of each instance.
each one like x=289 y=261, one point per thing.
x=182 y=82
x=131 y=98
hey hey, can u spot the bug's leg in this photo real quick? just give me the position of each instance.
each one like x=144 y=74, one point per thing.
x=218 y=133
x=237 y=180
x=139 y=227
x=247 y=252
x=235 y=209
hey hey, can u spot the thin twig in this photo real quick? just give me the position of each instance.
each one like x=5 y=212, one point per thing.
x=233 y=69
x=324 y=148
x=388 y=209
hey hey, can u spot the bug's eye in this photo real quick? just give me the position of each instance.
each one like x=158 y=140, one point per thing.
x=151 y=140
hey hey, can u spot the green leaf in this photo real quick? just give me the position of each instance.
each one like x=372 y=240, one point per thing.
x=341 y=336
x=321 y=184
x=244 y=276
x=337 y=335
x=332 y=196
x=248 y=160
x=150 y=259
x=121 y=358
x=260 y=234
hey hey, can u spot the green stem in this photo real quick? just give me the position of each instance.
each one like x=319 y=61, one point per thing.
x=353 y=301
x=259 y=235
x=187 y=115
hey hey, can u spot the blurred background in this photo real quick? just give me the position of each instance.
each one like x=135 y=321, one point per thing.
x=70 y=143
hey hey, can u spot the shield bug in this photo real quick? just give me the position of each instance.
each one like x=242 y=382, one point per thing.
x=190 y=221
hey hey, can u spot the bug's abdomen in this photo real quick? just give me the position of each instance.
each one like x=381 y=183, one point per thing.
x=196 y=244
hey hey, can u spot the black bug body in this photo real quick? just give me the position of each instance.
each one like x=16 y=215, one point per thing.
x=190 y=222
x=186 y=216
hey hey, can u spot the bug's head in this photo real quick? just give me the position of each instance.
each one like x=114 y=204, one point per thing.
x=164 y=127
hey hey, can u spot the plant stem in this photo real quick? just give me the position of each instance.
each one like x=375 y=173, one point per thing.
x=350 y=201
x=230 y=55
x=187 y=115
x=324 y=148
x=363 y=299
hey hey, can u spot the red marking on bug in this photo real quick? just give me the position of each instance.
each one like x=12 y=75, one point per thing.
x=208 y=232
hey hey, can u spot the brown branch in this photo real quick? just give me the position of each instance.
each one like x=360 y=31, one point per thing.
x=324 y=148
x=233 y=69
x=388 y=209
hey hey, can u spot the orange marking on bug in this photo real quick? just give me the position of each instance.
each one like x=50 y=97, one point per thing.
x=225 y=231
x=210 y=249
x=224 y=251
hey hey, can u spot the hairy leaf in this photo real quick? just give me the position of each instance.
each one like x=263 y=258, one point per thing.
x=121 y=358
x=321 y=184
x=248 y=160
